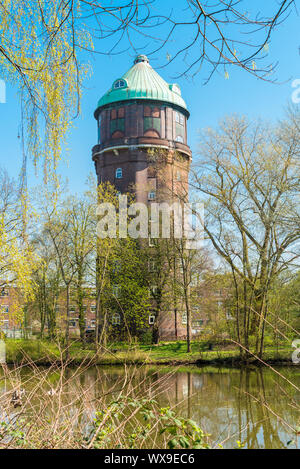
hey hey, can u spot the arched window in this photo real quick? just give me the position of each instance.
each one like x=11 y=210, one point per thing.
x=152 y=121
x=147 y=111
x=151 y=111
x=119 y=173
x=179 y=138
x=116 y=319
x=151 y=133
x=151 y=319
x=117 y=134
x=179 y=118
x=179 y=127
x=155 y=112
x=117 y=121
x=119 y=84
x=152 y=195
x=121 y=113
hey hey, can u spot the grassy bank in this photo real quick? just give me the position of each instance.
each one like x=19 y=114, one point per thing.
x=166 y=353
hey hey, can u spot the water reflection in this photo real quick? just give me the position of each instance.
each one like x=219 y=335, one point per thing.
x=255 y=406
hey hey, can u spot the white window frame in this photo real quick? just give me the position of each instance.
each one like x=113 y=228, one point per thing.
x=116 y=290
x=119 y=84
x=152 y=195
x=119 y=173
x=179 y=139
x=229 y=316
x=184 y=319
x=152 y=265
x=194 y=325
x=151 y=242
x=151 y=319
x=116 y=319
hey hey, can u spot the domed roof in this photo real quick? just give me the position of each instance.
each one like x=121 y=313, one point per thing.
x=142 y=82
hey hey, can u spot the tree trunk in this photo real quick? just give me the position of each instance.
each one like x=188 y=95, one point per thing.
x=81 y=311
x=68 y=321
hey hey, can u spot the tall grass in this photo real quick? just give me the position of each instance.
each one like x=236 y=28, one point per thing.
x=61 y=407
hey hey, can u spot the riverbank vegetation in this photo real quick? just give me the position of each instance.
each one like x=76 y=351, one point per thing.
x=44 y=352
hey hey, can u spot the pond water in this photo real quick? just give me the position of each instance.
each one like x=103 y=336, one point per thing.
x=255 y=406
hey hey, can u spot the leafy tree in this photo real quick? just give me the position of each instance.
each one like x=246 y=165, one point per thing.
x=17 y=259
x=248 y=177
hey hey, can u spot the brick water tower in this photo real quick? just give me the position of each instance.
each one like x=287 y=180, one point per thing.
x=142 y=112
x=142 y=140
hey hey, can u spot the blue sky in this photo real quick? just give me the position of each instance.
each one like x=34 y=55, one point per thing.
x=241 y=93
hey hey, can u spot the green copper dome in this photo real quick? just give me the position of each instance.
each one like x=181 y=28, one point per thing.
x=142 y=82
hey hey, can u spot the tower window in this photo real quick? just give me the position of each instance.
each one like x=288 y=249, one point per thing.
x=152 y=121
x=151 y=319
x=117 y=134
x=117 y=121
x=179 y=118
x=178 y=176
x=179 y=138
x=121 y=113
x=117 y=113
x=152 y=195
x=99 y=129
x=116 y=319
x=119 y=84
x=150 y=111
x=152 y=265
x=153 y=290
x=119 y=173
x=116 y=290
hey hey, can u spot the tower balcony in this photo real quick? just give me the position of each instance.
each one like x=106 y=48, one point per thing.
x=133 y=143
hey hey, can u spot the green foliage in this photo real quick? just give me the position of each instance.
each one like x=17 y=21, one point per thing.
x=13 y=431
x=185 y=433
x=149 y=421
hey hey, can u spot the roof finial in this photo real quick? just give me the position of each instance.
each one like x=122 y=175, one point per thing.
x=141 y=58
